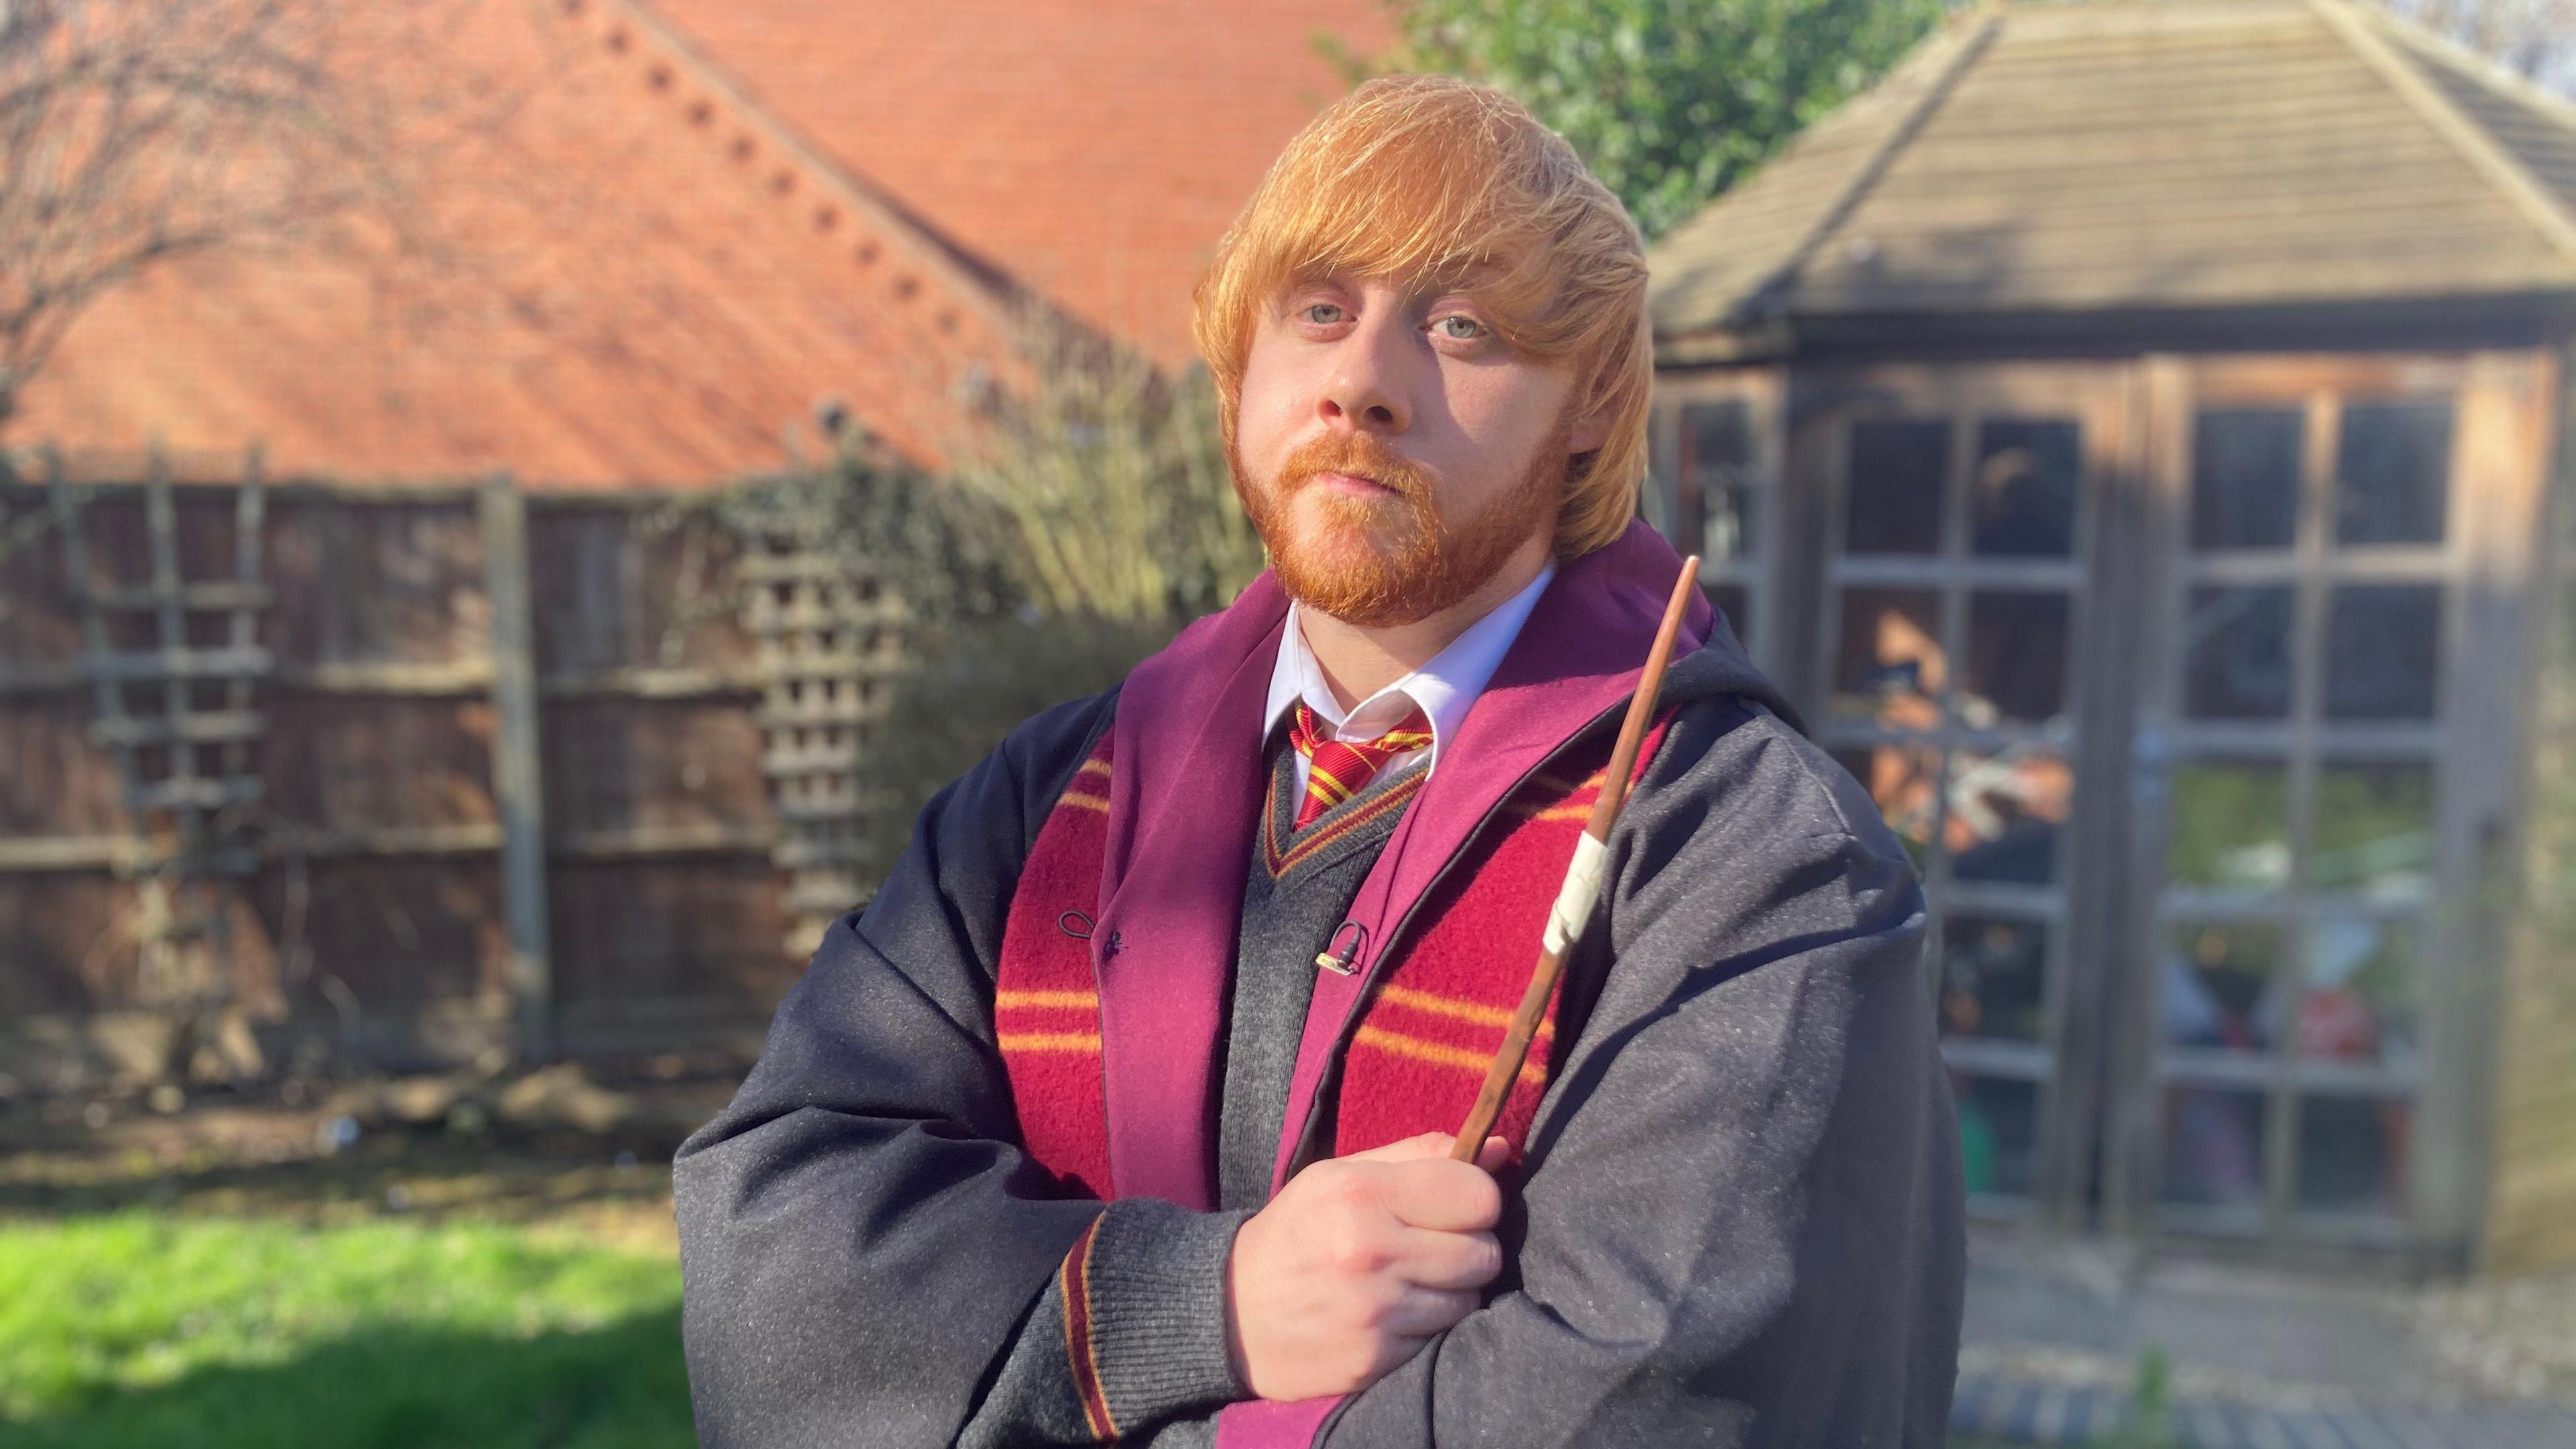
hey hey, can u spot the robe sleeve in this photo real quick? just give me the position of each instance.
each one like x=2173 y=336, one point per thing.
x=1129 y=1334
x=1740 y=1218
x=863 y=1242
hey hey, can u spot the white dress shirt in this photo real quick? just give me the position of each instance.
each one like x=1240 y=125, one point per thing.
x=1444 y=688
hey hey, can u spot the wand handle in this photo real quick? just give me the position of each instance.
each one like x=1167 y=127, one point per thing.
x=1582 y=888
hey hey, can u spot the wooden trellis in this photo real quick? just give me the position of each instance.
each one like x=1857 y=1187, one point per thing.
x=821 y=630
x=181 y=719
x=510 y=769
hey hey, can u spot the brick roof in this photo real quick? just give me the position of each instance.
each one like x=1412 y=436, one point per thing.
x=1091 y=151
x=709 y=215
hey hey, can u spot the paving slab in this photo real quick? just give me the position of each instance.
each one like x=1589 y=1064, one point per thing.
x=2258 y=1357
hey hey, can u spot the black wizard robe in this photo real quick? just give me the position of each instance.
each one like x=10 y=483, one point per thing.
x=1734 y=1217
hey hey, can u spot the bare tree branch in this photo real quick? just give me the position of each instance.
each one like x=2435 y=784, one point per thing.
x=2534 y=38
x=137 y=132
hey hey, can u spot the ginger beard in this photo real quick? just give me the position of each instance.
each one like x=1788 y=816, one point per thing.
x=1392 y=559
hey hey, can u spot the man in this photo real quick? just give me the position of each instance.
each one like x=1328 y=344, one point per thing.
x=1228 y=948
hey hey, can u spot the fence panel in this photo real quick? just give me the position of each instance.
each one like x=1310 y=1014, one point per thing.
x=375 y=914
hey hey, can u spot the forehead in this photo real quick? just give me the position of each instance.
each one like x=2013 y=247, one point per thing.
x=1412 y=281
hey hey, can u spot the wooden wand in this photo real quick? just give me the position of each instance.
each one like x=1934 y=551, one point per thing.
x=1582 y=889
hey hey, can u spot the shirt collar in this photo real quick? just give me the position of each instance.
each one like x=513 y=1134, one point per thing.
x=1444 y=688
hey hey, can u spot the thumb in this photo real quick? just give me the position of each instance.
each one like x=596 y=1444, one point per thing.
x=1411 y=1149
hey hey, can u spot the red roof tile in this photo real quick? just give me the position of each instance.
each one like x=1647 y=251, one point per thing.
x=1094 y=151
x=707 y=220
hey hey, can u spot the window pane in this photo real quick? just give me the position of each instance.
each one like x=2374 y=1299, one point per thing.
x=2214 y=1147
x=1736 y=603
x=2393 y=468
x=1905 y=783
x=2352 y=1154
x=2374 y=828
x=2220 y=986
x=2231 y=825
x=2025 y=489
x=1994 y=978
x=2016 y=659
x=2245 y=478
x=1727 y=520
x=1998 y=1127
x=2360 y=1001
x=2004 y=813
x=2383 y=651
x=1717 y=444
x=2236 y=643
x=1889 y=666
x=1717 y=435
x=1894 y=498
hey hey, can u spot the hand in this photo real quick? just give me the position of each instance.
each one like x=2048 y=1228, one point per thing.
x=1358 y=1262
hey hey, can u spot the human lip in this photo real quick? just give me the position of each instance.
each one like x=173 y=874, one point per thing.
x=1359 y=483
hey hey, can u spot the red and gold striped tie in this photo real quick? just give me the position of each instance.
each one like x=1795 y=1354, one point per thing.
x=1338 y=769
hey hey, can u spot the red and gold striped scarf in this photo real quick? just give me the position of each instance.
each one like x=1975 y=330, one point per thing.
x=1433 y=1017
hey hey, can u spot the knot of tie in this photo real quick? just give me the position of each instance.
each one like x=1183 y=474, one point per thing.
x=1338 y=769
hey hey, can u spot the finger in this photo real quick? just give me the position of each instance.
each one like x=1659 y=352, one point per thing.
x=1411 y=1149
x=1422 y=1312
x=1393 y=1351
x=1447 y=1260
x=1494 y=1154
x=1451 y=1197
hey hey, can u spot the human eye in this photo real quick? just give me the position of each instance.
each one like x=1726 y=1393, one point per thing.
x=1459 y=327
x=1322 y=314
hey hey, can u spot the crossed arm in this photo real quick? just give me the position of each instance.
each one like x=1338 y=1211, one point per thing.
x=1736 y=1219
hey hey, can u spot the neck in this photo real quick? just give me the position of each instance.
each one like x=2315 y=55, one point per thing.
x=1359 y=662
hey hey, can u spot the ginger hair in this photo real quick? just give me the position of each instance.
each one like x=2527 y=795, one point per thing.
x=1443 y=183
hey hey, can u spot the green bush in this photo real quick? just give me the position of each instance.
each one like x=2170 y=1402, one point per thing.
x=1084 y=518
x=1669 y=101
x=972 y=682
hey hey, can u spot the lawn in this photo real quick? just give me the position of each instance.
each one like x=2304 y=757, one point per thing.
x=158 y=1292
x=140 y=1329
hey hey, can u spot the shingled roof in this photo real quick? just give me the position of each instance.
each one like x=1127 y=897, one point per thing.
x=2133 y=157
x=705 y=217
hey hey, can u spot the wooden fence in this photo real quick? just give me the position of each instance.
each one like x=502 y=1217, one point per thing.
x=447 y=769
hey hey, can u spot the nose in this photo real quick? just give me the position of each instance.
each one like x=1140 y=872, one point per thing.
x=1366 y=391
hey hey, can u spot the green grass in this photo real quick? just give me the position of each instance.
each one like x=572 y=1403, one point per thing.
x=138 y=1329
x=130 y=1329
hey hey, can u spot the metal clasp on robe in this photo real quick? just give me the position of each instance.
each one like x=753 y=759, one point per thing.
x=1340 y=955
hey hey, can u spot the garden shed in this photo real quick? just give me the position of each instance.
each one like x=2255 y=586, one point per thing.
x=2131 y=431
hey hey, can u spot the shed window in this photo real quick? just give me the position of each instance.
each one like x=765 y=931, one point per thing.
x=1711 y=493
x=1948 y=660
x=2301 y=819
x=2025 y=489
x=1897 y=473
x=2394 y=473
x=2245 y=478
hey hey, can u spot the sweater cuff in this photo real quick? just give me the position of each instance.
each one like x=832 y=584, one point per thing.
x=1143 y=1295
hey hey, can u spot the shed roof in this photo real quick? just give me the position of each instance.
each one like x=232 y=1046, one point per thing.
x=704 y=217
x=2125 y=156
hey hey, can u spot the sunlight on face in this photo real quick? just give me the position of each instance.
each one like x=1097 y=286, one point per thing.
x=1393 y=450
